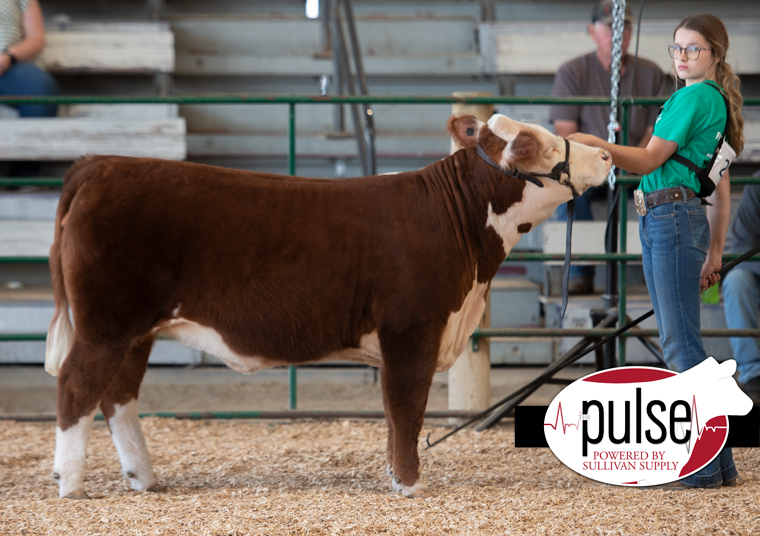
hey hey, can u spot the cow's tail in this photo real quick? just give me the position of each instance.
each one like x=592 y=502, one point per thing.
x=60 y=336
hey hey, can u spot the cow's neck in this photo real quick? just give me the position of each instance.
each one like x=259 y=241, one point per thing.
x=468 y=187
x=500 y=209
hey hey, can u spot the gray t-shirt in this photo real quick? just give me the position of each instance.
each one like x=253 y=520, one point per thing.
x=745 y=231
x=586 y=76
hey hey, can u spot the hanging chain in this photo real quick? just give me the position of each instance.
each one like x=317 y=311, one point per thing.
x=618 y=25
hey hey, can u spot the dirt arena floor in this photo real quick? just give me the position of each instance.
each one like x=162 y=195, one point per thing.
x=309 y=477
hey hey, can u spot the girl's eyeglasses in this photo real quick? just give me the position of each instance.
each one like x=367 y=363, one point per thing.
x=692 y=52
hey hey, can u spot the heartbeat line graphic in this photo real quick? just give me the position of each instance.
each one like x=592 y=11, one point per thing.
x=695 y=421
x=561 y=417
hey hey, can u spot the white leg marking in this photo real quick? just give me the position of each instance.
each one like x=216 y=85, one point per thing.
x=70 y=453
x=418 y=491
x=59 y=340
x=127 y=436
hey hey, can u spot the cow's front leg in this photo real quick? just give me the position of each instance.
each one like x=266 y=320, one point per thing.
x=409 y=365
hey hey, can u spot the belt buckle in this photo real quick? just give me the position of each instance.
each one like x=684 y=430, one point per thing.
x=639 y=198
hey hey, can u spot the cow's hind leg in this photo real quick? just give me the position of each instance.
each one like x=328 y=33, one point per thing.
x=119 y=406
x=409 y=365
x=83 y=379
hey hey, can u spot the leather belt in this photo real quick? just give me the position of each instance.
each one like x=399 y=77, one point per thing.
x=660 y=197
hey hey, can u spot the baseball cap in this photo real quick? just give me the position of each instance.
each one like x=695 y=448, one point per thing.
x=602 y=13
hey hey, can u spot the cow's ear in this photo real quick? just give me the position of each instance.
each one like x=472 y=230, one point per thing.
x=464 y=129
x=524 y=149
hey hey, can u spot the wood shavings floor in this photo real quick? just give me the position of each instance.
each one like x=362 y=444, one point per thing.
x=244 y=477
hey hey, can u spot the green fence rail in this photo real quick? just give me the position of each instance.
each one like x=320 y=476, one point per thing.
x=624 y=182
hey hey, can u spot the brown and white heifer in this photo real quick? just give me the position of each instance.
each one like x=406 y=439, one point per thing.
x=264 y=270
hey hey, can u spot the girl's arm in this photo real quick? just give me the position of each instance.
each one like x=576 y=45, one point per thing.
x=717 y=215
x=639 y=160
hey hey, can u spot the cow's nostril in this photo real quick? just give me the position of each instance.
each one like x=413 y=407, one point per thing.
x=606 y=156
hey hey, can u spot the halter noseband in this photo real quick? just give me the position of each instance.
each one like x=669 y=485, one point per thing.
x=561 y=168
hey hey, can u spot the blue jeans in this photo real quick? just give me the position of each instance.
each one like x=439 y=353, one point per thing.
x=675 y=238
x=27 y=79
x=741 y=294
x=582 y=213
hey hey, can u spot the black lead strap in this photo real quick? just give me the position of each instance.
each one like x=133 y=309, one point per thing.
x=568 y=244
x=513 y=173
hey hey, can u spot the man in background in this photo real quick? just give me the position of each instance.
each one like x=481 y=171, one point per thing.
x=590 y=75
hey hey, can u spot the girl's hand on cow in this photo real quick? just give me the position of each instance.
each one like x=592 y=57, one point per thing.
x=710 y=269
x=586 y=139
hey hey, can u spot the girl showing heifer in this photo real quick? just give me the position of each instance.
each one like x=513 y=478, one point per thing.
x=682 y=236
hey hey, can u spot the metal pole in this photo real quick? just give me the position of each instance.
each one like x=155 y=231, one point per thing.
x=610 y=297
x=339 y=124
x=292 y=370
x=292 y=139
x=349 y=81
x=623 y=291
x=324 y=21
x=623 y=243
x=369 y=124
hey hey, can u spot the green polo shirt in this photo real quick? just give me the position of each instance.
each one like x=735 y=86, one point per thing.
x=694 y=117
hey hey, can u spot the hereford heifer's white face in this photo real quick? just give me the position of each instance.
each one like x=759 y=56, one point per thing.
x=589 y=166
x=530 y=149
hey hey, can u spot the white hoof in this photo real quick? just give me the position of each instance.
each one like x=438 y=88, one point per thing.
x=141 y=482
x=418 y=491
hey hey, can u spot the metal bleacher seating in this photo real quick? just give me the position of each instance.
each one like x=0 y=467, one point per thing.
x=91 y=49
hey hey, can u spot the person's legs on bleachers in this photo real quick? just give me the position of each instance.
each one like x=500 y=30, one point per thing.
x=741 y=295
x=27 y=79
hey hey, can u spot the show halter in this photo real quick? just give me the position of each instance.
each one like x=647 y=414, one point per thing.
x=561 y=168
